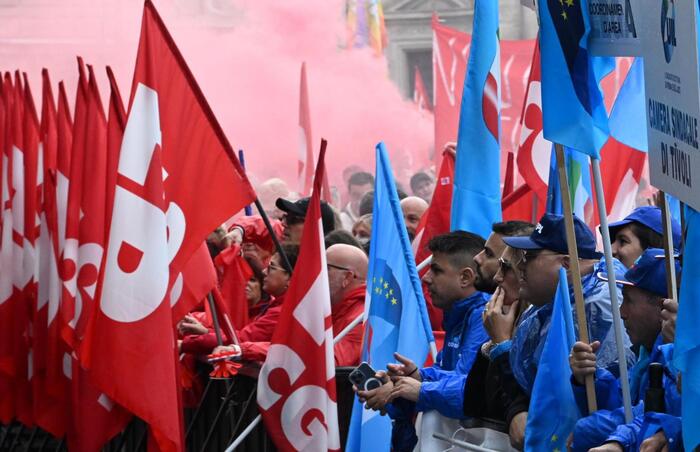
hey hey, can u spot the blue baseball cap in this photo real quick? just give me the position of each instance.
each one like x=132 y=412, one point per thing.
x=650 y=217
x=648 y=272
x=550 y=234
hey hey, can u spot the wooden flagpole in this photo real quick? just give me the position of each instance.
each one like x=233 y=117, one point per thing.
x=669 y=251
x=574 y=269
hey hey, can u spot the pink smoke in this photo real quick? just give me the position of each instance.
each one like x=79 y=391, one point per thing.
x=246 y=56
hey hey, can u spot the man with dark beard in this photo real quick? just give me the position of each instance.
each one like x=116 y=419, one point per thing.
x=487 y=260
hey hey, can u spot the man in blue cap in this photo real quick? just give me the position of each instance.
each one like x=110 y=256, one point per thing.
x=545 y=251
x=644 y=288
x=641 y=229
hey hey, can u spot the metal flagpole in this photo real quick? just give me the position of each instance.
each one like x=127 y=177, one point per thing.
x=669 y=251
x=612 y=286
x=574 y=267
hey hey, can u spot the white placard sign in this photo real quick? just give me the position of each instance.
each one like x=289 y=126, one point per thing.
x=615 y=27
x=672 y=97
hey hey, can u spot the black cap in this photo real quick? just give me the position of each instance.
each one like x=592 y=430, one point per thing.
x=299 y=208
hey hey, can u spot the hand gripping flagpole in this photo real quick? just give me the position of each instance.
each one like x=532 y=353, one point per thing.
x=575 y=271
x=612 y=287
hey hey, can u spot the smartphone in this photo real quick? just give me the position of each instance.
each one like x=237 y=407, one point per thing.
x=363 y=377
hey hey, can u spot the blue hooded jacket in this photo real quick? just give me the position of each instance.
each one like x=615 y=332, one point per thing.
x=528 y=341
x=608 y=423
x=442 y=386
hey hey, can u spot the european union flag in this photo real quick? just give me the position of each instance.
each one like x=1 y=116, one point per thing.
x=686 y=353
x=397 y=319
x=476 y=201
x=572 y=104
x=553 y=411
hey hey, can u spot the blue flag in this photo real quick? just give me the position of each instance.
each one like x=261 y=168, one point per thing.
x=628 y=120
x=553 y=411
x=686 y=353
x=476 y=202
x=397 y=319
x=572 y=103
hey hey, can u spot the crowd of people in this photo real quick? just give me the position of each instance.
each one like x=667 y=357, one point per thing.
x=493 y=298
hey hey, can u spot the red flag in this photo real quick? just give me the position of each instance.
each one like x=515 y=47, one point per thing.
x=518 y=205
x=69 y=268
x=177 y=180
x=450 y=53
x=534 y=151
x=299 y=409
x=420 y=94
x=49 y=407
x=435 y=221
x=235 y=274
x=56 y=196
x=7 y=252
x=509 y=180
x=306 y=153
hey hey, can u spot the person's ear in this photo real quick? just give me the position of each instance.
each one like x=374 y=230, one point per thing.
x=566 y=262
x=467 y=276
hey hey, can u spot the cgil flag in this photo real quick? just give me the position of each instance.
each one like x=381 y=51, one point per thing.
x=303 y=414
x=161 y=214
x=553 y=410
x=395 y=312
x=477 y=185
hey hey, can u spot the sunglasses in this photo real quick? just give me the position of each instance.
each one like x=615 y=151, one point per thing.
x=531 y=255
x=291 y=220
x=338 y=267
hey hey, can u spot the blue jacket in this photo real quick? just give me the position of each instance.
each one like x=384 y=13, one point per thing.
x=608 y=423
x=442 y=386
x=529 y=338
x=443 y=383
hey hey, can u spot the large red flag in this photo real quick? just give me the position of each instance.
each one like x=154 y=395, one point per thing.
x=177 y=180
x=299 y=409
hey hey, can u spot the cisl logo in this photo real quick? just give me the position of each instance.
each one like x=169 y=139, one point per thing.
x=668 y=28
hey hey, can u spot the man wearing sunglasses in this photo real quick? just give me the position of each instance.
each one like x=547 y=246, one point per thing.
x=294 y=215
x=545 y=251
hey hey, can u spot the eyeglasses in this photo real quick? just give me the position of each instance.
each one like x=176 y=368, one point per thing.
x=338 y=267
x=531 y=255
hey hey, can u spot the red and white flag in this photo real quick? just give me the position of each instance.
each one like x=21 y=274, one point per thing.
x=306 y=153
x=7 y=255
x=296 y=386
x=534 y=151
x=177 y=180
x=420 y=94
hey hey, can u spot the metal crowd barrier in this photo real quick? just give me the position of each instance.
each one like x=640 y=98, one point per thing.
x=225 y=410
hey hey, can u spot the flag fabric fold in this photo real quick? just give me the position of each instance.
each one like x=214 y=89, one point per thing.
x=553 y=411
x=477 y=185
x=396 y=318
